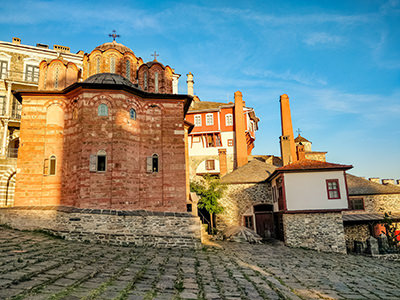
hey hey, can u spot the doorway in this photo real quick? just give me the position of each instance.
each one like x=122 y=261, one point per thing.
x=264 y=221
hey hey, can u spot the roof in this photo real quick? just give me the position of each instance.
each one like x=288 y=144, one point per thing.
x=300 y=139
x=360 y=186
x=151 y=63
x=206 y=105
x=113 y=45
x=359 y=217
x=254 y=171
x=308 y=165
x=109 y=78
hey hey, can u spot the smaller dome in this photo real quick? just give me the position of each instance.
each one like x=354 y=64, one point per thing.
x=109 y=78
x=113 y=45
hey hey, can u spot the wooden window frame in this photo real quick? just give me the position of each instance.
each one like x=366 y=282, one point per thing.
x=3 y=70
x=229 y=120
x=337 y=189
x=30 y=74
x=230 y=142
x=352 y=206
x=210 y=164
x=245 y=222
x=198 y=117
x=210 y=123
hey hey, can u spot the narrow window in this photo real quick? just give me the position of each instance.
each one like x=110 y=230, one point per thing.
x=189 y=207
x=103 y=110
x=52 y=167
x=98 y=65
x=88 y=68
x=3 y=69
x=145 y=81
x=128 y=69
x=101 y=163
x=228 y=120
x=357 y=204
x=230 y=142
x=210 y=165
x=152 y=164
x=56 y=78
x=248 y=222
x=332 y=186
x=112 y=64
x=155 y=163
x=31 y=73
x=132 y=114
x=218 y=142
x=2 y=105
x=197 y=120
x=209 y=119
x=156 y=82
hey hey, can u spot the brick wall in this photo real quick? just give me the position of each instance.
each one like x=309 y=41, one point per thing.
x=141 y=228
x=317 y=231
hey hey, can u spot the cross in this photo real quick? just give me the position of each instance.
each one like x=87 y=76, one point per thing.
x=155 y=55
x=298 y=131
x=114 y=35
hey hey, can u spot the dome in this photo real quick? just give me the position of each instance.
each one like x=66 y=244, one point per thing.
x=113 y=45
x=109 y=78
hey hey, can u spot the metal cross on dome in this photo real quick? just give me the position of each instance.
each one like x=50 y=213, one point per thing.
x=155 y=55
x=114 y=35
x=298 y=131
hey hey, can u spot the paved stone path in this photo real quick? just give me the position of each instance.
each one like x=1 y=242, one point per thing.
x=36 y=266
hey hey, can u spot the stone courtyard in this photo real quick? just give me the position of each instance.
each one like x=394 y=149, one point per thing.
x=36 y=266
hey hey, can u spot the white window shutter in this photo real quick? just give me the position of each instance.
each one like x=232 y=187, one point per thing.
x=149 y=164
x=93 y=163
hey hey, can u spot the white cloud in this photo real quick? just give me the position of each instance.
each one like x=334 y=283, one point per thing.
x=323 y=38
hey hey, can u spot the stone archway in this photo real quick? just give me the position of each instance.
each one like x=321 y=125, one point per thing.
x=7 y=188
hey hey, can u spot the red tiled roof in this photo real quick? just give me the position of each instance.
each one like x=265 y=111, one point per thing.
x=308 y=164
x=300 y=139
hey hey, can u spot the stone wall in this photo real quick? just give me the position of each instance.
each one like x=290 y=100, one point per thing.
x=141 y=228
x=381 y=203
x=318 y=231
x=239 y=200
x=355 y=232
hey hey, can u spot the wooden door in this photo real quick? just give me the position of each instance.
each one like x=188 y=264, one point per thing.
x=265 y=224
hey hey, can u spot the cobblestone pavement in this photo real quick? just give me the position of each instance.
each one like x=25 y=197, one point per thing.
x=36 y=266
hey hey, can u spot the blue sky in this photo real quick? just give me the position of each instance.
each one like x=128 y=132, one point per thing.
x=339 y=61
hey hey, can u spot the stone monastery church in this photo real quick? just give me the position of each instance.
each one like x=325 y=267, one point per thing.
x=101 y=147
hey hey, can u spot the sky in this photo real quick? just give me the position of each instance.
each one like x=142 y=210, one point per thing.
x=339 y=61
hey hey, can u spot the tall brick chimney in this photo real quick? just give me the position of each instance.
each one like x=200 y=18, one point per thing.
x=223 y=168
x=190 y=84
x=288 y=148
x=240 y=131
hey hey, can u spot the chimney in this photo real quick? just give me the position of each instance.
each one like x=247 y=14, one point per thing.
x=288 y=148
x=190 y=84
x=61 y=49
x=175 y=80
x=388 y=181
x=223 y=168
x=375 y=179
x=301 y=154
x=16 y=40
x=240 y=131
x=398 y=182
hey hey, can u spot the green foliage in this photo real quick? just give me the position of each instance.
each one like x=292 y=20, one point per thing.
x=390 y=230
x=210 y=191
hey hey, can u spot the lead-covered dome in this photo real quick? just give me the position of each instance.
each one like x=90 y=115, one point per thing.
x=109 y=78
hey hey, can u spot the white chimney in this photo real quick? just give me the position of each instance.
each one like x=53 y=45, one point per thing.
x=190 y=84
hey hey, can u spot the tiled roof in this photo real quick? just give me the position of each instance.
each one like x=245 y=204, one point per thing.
x=308 y=164
x=253 y=172
x=300 y=139
x=204 y=105
x=357 y=217
x=360 y=186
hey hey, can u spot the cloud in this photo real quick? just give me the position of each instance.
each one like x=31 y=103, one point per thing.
x=323 y=38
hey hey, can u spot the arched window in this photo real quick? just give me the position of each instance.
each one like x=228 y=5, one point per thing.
x=145 y=81
x=56 y=78
x=101 y=161
x=152 y=164
x=102 y=110
x=112 y=64
x=52 y=165
x=88 y=68
x=98 y=65
x=128 y=69
x=156 y=82
x=132 y=114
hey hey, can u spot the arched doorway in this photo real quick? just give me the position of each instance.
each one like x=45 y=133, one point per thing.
x=10 y=188
x=264 y=220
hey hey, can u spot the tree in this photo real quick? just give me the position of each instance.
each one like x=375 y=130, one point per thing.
x=391 y=234
x=210 y=191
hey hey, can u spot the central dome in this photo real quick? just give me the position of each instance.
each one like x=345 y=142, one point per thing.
x=113 y=45
x=109 y=78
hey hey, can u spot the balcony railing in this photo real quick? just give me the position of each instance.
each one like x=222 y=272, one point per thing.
x=12 y=152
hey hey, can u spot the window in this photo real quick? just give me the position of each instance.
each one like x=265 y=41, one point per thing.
x=209 y=119
x=332 y=186
x=196 y=139
x=56 y=78
x=230 y=142
x=52 y=167
x=98 y=162
x=103 y=110
x=156 y=82
x=228 y=120
x=189 y=207
x=32 y=73
x=132 y=114
x=152 y=164
x=357 y=204
x=98 y=65
x=112 y=64
x=213 y=140
x=248 y=222
x=128 y=69
x=210 y=164
x=197 y=120
x=3 y=69
x=145 y=81
x=2 y=105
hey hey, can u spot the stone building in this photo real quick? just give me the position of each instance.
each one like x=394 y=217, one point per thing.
x=104 y=144
x=19 y=69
